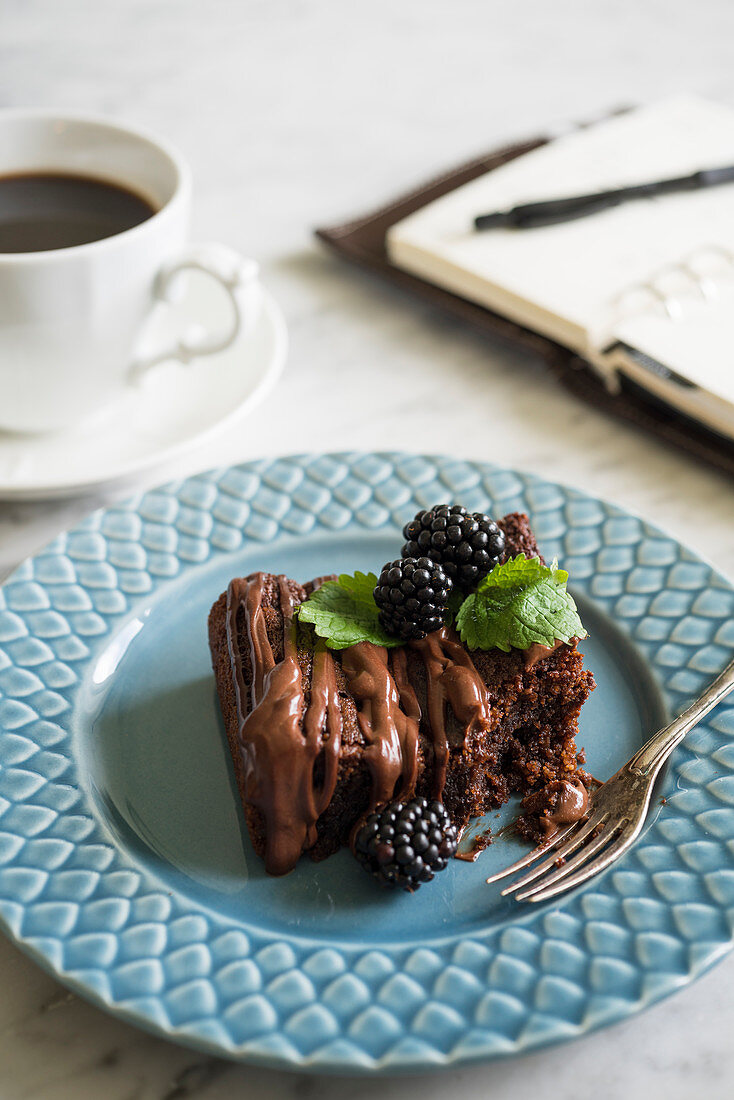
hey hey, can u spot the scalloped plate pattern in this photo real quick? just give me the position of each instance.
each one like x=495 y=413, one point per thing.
x=104 y=916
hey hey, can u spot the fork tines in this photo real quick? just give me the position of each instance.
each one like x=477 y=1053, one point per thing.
x=557 y=872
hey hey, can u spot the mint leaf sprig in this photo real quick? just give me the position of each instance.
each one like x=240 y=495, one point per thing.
x=519 y=604
x=343 y=612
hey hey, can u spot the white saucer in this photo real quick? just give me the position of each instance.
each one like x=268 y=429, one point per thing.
x=175 y=409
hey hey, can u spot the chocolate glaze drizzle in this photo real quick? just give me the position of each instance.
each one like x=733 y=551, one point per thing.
x=390 y=733
x=572 y=805
x=477 y=843
x=536 y=653
x=452 y=679
x=279 y=745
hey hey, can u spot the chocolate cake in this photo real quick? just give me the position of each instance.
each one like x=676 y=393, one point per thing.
x=319 y=737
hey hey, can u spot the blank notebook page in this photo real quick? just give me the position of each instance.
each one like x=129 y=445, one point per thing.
x=565 y=280
x=699 y=347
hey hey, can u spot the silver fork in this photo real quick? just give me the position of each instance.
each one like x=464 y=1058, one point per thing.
x=617 y=812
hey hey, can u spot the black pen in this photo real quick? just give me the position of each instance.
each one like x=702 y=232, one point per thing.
x=533 y=214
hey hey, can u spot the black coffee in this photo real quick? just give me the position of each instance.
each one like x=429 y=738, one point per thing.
x=43 y=211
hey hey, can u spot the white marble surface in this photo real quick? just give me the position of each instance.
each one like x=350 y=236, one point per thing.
x=296 y=113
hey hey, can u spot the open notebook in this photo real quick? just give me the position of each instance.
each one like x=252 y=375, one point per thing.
x=646 y=289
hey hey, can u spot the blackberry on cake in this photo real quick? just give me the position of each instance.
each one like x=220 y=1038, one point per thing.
x=413 y=597
x=406 y=844
x=468 y=546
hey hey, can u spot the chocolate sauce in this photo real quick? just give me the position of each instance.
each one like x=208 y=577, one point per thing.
x=324 y=718
x=451 y=679
x=408 y=697
x=572 y=806
x=536 y=652
x=279 y=744
x=477 y=845
x=319 y=582
x=390 y=733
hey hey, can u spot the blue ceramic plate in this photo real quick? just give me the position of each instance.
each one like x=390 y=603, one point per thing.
x=125 y=867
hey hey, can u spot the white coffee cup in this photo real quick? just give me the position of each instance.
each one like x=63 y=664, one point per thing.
x=73 y=320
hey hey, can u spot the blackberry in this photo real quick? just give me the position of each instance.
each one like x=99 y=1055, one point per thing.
x=406 y=843
x=412 y=595
x=467 y=546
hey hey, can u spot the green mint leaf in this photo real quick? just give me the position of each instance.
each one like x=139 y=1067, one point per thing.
x=521 y=571
x=343 y=612
x=519 y=604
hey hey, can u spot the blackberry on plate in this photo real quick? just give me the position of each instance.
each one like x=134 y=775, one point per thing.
x=467 y=546
x=412 y=595
x=406 y=843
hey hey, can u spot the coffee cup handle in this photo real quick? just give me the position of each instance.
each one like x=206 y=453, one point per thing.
x=238 y=278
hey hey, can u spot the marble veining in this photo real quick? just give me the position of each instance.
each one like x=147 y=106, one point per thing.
x=295 y=114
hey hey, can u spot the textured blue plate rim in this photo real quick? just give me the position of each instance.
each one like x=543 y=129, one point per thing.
x=342 y=1056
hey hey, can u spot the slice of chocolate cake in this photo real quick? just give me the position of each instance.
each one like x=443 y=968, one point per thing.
x=320 y=737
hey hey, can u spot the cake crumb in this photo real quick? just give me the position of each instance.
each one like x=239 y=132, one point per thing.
x=481 y=840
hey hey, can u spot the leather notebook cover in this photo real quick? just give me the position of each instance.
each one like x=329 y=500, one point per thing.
x=362 y=241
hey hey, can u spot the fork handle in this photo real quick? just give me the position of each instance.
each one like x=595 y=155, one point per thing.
x=650 y=758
